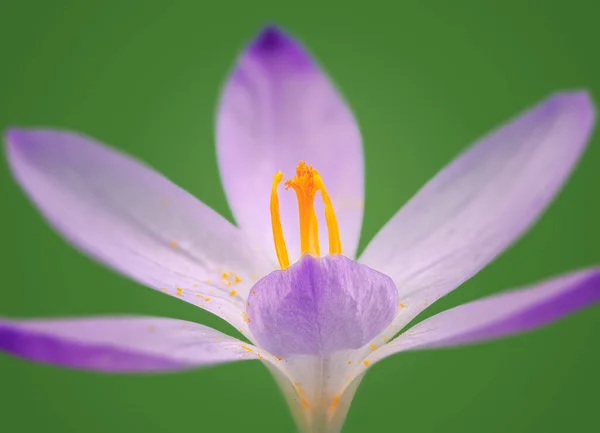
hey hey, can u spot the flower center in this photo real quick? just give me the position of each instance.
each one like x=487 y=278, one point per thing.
x=306 y=183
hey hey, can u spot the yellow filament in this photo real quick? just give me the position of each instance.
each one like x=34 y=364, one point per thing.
x=280 y=248
x=335 y=244
x=306 y=183
x=314 y=236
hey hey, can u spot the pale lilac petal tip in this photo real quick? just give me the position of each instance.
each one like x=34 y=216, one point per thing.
x=578 y=104
x=319 y=306
x=12 y=138
x=10 y=134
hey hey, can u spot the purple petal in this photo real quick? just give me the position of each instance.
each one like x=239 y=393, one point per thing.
x=318 y=306
x=276 y=109
x=480 y=203
x=503 y=314
x=129 y=217
x=120 y=344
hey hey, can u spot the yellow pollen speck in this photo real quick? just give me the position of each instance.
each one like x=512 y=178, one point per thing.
x=259 y=356
x=253 y=276
x=229 y=283
x=401 y=305
x=225 y=275
x=304 y=402
x=238 y=279
x=241 y=330
x=207 y=281
x=254 y=292
x=372 y=346
x=367 y=362
x=232 y=293
x=217 y=338
x=335 y=401
x=163 y=289
x=206 y=299
x=247 y=349
x=173 y=244
x=348 y=377
x=199 y=295
x=349 y=362
x=278 y=358
x=179 y=290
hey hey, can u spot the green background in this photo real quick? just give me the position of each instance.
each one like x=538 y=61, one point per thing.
x=425 y=78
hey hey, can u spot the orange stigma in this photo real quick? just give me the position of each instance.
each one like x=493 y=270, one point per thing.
x=306 y=183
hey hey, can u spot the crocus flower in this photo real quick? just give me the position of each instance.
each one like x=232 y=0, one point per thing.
x=316 y=317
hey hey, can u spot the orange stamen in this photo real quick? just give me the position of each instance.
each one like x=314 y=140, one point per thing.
x=335 y=244
x=306 y=183
x=280 y=248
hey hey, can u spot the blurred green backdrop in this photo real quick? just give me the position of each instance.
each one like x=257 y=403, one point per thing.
x=425 y=78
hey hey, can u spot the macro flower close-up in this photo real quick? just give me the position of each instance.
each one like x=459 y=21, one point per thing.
x=286 y=275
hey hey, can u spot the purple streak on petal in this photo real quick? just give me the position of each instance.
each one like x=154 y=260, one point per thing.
x=276 y=109
x=318 y=306
x=119 y=344
x=580 y=295
x=503 y=314
x=482 y=202
x=51 y=350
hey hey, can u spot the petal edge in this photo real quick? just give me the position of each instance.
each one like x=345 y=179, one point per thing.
x=500 y=315
x=119 y=344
